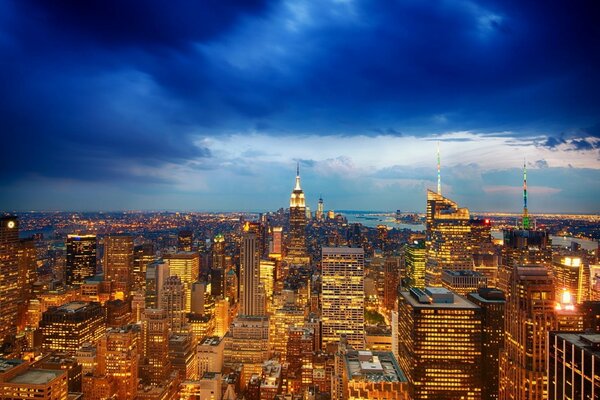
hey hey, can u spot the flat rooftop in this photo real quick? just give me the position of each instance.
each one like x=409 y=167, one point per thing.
x=36 y=376
x=342 y=250
x=73 y=306
x=210 y=341
x=588 y=342
x=459 y=302
x=7 y=364
x=373 y=366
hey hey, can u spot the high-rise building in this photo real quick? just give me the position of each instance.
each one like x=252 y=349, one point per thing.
x=186 y=265
x=276 y=242
x=221 y=317
x=182 y=354
x=27 y=256
x=81 y=258
x=572 y=361
x=572 y=274
x=118 y=263
x=529 y=316
x=297 y=236
x=492 y=304
x=343 y=292
x=9 y=276
x=172 y=301
x=185 y=240
x=250 y=271
x=68 y=327
x=218 y=267
x=463 y=281
x=118 y=358
x=156 y=365
x=448 y=237
x=320 y=215
x=142 y=256
x=415 y=257
x=440 y=340
x=157 y=273
x=391 y=280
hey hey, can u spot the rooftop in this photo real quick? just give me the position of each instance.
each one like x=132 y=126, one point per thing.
x=6 y=364
x=457 y=303
x=37 y=376
x=373 y=366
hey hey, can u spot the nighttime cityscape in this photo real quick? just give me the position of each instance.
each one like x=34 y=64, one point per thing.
x=299 y=200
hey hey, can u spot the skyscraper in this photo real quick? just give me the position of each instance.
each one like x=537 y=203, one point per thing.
x=142 y=256
x=81 y=258
x=250 y=271
x=9 y=276
x=320 y=211
x=156 y=366
x=343 y=293
x=440 y=339
x=118 y=263
x=415 y=257
x=186 y=265
x=118 y=358
x=448 y=237
x=573 y=275
x=529 y=316
x=573 y=363
x=492 y=304
x=172 y=300
x=218 y=268
x=297 y=235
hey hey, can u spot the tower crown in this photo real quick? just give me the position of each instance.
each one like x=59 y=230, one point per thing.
x=297 y=198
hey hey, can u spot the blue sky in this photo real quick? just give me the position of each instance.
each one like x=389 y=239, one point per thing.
x=208 y=105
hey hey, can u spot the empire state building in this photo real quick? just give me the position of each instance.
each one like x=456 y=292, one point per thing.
x=297 y=237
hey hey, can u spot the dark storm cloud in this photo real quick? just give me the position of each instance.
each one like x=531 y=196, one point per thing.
x=114 y=90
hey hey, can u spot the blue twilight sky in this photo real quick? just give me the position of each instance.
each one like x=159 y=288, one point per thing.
x=207 y=105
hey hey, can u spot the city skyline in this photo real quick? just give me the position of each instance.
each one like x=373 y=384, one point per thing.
x=193 y=110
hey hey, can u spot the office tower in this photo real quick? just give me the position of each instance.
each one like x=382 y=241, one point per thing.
x=157 y=273
x=440 y=340
x=59 y=361
x=415 y=260
x=284 y=317
x=573 y=275
x=68 y=327
x=231 y=286
x=80 y=259
x=221 y=317
x=218 y=267
x=186 y=265
x=299 y=356
x=172 y=301
x=199 y=294
x=487 y=264
x=267 y=278
x=9 y=276
x=27 y=257
x=492 y=303
x=118 y=263
x=118 y=313
x=277 y=242
x=343 y=293
x=382 y=237
x=118 y=358
x=142 y=256
x=320 y=211
x=369 y=375
x=19 y=381
x=185 y=240
x=569 y=315
x=448 y=237
x=297 y=236
x=156 y=366
x=572 y=362
x=529 y=315
x=250 y=271
x=463 y=281
x=210 y=354
x=183 y=356
x=391 y=280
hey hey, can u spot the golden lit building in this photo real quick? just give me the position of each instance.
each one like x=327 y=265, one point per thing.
x=19 y=381
x=296 y=249
x=247 y=345
x=210 y=354
x=463 y=281
x=118 y=263
x=9 y=276
x=80 y=258
x=288 y=316
x=439 y=344
x=172 y=300
x=250 y=271
x=182 y=353
x=573 y=275
x=186 y=265
x=156 y=366
x=118 y=358
x=415 y=258
x=529 y=316
x=68 y=327
x=143 y=255
x=448 y=237
x=267 y=278
x=342 y=297
x=207 y=387
x=221 y=317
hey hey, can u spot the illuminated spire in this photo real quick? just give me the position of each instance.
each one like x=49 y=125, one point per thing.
x=525 y=213
x=439 y=185
x=297 y=177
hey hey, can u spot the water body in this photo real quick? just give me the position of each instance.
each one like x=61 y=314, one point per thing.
x=372 y=220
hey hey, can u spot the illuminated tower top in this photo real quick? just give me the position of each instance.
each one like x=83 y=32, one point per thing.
x=297 y=197
x=439 y=182
x=525 y=213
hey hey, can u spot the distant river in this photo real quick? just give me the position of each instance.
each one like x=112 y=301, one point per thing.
x=372 y=220
x=565 y=241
